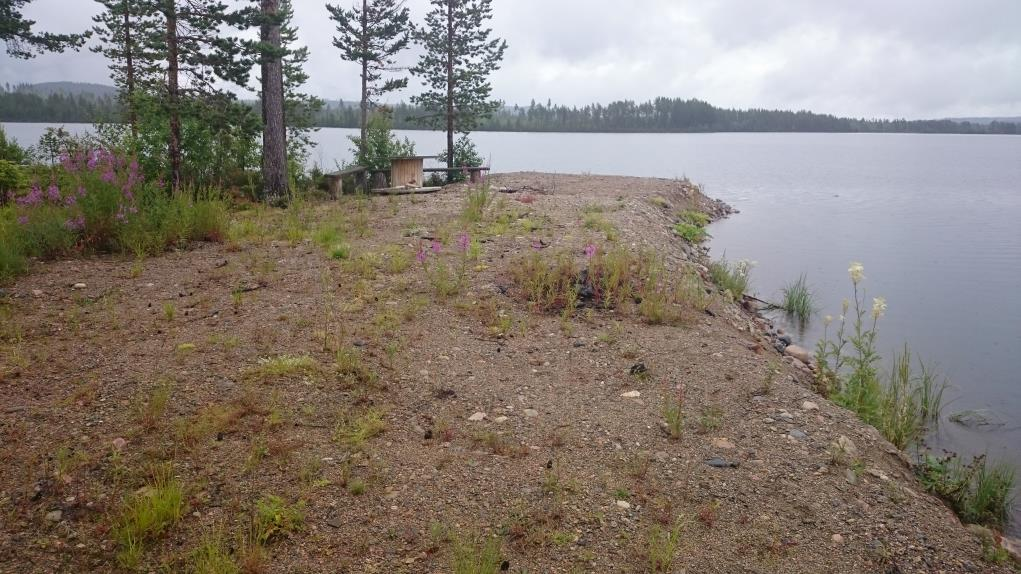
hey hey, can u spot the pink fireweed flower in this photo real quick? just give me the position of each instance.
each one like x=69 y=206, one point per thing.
x=463 y=241
x=53 y=193
x=108 y=176
x=75 y=223
x=22 y=220
x=93 y=159
x=421 y=255
x=33 y=197
x=590 y=251
x=436 y=246
x=70 y=200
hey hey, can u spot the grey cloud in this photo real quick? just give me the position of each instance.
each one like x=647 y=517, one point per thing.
x=874 y=58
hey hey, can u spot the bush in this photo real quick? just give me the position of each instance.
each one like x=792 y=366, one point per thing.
x=12 y=179
x=98 y=201
x=380 y=143
x=465 y=155
x=10 y=150
x=690 y=233
x=979 y=492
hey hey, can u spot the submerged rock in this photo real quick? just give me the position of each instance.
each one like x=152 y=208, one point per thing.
x=983 y=419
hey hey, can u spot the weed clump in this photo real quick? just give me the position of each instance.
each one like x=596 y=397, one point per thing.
x=147 y=514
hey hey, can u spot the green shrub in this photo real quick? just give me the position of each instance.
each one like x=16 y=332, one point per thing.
x=690 y=233
x=692 y=217
x=465 y=155
x=12 y=178
x=147 y=514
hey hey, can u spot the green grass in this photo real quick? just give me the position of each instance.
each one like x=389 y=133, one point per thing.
x=979 y=492
x=283 y=366
x=274 y=518
x=475 y=203
x=147 y=514
x=340 y=251
x=596 y=221
x=476 y=556
x=690 y=233
x=354 y=431
x=213 y=557
x=692 y=217
x=731 y=276
x=662 y=546
x=673 y=416
x=798 y=300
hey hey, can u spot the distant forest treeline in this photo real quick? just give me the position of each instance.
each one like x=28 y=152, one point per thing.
x=22 y=104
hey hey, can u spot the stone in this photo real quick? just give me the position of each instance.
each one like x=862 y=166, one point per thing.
x=624 y=504
x=982 y=419
x=631 y=395
x=477 y=416
x=638 y=369
x=844 y=449
x=531 y=413
x=500 y=419
x=719 y=462
x=799 y=353
x=724 y=443
x=78 y=286
x=798 y=434
x=334 y=521
x=785 y=339
x=1012 y=546
x=809 y=406
x=54 y=515
x=837 y=539
x=850 y=476
x=37 y=293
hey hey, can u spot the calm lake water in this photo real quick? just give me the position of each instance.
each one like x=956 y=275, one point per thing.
x=933 y=218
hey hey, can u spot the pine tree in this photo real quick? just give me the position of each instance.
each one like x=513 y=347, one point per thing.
x=299 y=108
x=274 y=132
x=189 y=53
x=16 y=33
x=120 y=28
x=458 y=57
x=371 y=35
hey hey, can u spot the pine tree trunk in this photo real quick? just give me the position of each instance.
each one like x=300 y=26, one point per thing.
x=129 y=72
x=174 y=97
x=450 y=87
x=365 y=70
x=274 y=134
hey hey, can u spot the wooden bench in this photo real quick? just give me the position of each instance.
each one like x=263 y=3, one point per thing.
x=335 y=180
x=474 y=173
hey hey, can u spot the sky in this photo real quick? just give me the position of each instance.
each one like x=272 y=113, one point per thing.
x=867 y=58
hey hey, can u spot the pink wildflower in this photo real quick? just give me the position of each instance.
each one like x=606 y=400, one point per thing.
x=436 y=246
x=463 y=241
x=590 y=251
x=421 y=255
x=22 y=220
x=53 y=193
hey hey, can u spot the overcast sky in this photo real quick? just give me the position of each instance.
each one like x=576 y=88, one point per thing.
x=873 y=58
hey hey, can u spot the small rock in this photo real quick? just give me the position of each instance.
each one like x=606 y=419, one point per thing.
x=500 y=419
x=531 y=413
x=54 y=515
x=631 y=395
x=798 y=434
x=844 y=448
x=850 y=476
x=624 y=504
x=78 y=286
x=724 y=443
x=638 y=369
x=876 y=473
x=785 y=339
x=477 y=416
x=119 y=443
x=661 y=456
x=809 y=406
x=837 y=539
x=37 y=293
x=799 y=353
x=334 y=521
x=719 y=462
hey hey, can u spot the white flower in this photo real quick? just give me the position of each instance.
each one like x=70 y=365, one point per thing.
x=856 y=271
x=878 y=307
x=827 y=319
x=844 y=305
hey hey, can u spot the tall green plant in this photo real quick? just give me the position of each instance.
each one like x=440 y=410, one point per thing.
x=380 y=143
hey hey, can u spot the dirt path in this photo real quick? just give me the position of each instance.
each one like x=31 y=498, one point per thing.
x=348 y=389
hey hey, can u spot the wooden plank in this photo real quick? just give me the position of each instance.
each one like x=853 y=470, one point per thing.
x=405 y=190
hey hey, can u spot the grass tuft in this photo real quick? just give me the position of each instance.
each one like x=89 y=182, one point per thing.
x=147 y=514
x=476 y=556
x=798 y=300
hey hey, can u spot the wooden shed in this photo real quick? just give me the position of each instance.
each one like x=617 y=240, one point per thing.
x=407 y=171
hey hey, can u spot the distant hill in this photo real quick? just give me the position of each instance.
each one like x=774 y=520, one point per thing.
x=67 y=88
x=987 y=121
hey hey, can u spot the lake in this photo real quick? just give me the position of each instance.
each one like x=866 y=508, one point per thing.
x=933 y=218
